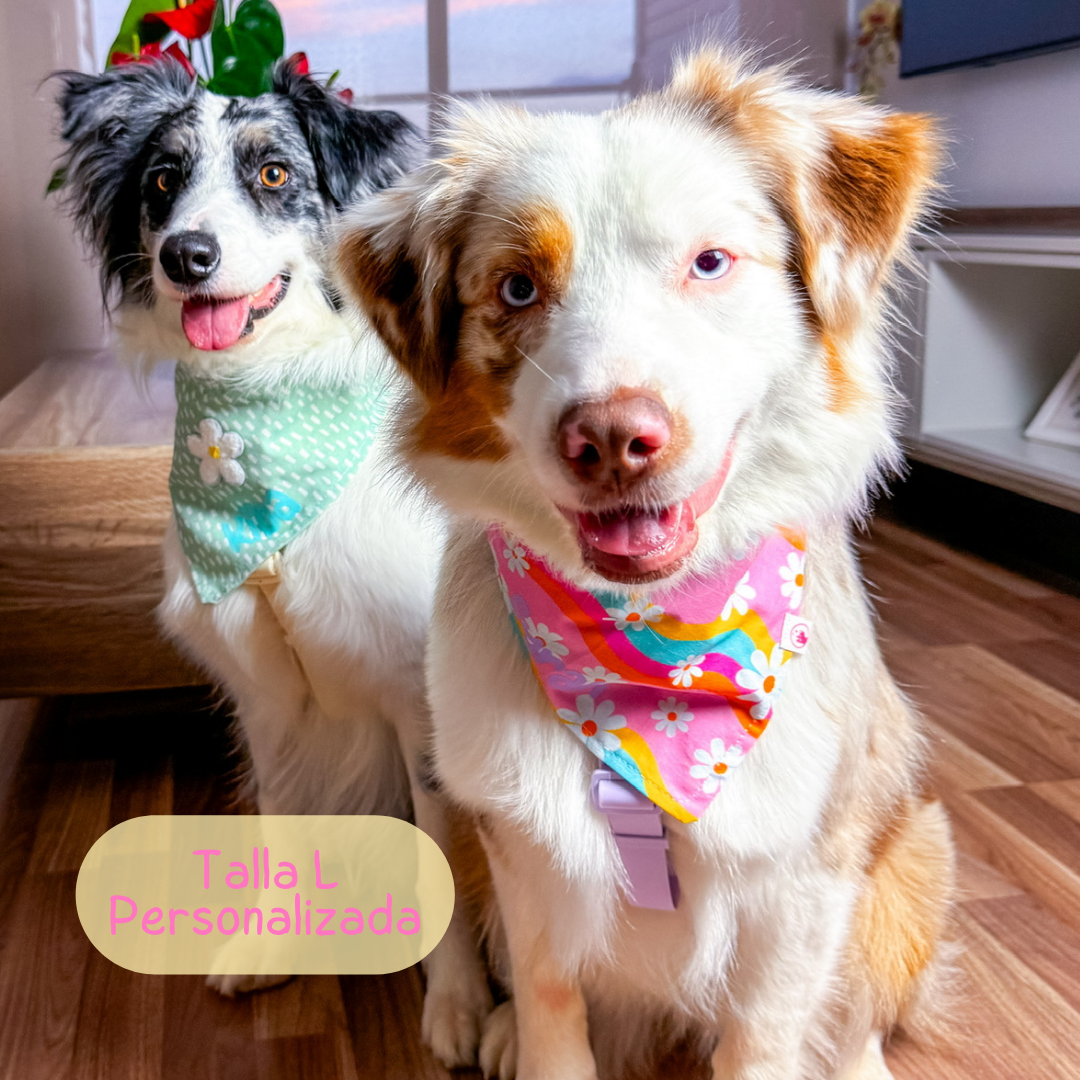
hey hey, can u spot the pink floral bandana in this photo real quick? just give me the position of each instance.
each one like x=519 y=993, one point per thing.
x=671 y=691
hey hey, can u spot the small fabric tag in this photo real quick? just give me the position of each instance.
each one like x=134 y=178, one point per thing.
x=795 y=634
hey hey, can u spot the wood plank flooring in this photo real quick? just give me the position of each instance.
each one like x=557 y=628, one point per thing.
x=993 y=659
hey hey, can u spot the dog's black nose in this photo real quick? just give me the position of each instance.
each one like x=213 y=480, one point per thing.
x=189 y=258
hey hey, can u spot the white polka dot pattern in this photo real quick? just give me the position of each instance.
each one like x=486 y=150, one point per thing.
x=300 y=445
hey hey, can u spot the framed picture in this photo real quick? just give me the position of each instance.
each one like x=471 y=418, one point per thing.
x=1058 y=418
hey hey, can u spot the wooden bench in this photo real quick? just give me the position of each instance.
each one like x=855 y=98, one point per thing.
x=84 y=501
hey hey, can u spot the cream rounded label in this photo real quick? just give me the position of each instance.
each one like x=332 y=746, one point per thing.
x=273 y=895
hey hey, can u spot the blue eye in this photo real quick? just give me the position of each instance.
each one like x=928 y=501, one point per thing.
x=518 y=291
x=710 y=265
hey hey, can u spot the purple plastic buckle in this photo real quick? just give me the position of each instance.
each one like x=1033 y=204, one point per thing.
x=641 y=838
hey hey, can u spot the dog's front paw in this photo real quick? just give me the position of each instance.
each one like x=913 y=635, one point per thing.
x=453 y=1018
x=498 y=1043
x=229 y=985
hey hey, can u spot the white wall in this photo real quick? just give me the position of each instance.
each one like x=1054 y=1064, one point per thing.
x=49 y=299
x=1015 y=128
x=808 y=31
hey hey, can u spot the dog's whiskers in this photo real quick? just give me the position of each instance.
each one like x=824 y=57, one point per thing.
x=131 y=257
x=516 y=223
x=534 y=363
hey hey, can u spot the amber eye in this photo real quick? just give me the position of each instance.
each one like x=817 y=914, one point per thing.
x=273 y=175
x=163 y=180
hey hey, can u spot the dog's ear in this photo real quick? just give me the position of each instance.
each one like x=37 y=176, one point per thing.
x=401 y=271
x=106 y=122
x=355 y=150
x=850 y=179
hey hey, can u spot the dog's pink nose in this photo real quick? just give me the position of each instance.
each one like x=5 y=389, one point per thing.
x=616 y=441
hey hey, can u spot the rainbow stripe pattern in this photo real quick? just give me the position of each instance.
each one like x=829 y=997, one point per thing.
x=670 y=690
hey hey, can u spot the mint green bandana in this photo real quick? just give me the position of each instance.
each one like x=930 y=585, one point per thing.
x=251 y=470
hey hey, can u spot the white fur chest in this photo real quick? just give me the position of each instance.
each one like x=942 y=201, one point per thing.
x=501 y=750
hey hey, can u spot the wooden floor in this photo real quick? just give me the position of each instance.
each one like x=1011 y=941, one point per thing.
x=993 y=658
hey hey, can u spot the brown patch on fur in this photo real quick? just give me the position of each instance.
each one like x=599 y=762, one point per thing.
x=418 y=315
x=418 y=325
x=849 y=200
x=874 y=183
x=462 y=351
x=491 y=338
x=860 y=204
x=846 y=392
x=535 y=240
x=548 y=244
x=461 y=422
x=900 y=917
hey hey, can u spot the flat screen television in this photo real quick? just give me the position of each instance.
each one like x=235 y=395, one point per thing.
x=943 y=34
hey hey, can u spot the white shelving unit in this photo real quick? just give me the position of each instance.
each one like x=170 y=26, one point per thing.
x=997 y=322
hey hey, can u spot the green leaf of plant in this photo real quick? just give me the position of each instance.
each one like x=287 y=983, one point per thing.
x=149 y=32
x=130 y=37
x=242 y=67
x=57 y=180
x=259 y=20
x=245 y=50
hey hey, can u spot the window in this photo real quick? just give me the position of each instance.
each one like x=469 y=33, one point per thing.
x=577 y=54
x=533 y=45
x=400 y=53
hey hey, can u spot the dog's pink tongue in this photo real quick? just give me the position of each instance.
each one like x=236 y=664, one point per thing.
x=634 y=534
x=215 y=325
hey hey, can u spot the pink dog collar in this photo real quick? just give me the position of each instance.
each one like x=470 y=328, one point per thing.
x=637 y=825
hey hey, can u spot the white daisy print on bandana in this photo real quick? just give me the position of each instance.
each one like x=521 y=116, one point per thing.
x=685 y=673
x=600 y=674
x=672 y=716
x=763 y=681
x=593 y=722
x=217 y=451
x=548 y=639
x=635 y=614
x=713 y=764
x=515 y=558
x=740 y=599
x=793 y=579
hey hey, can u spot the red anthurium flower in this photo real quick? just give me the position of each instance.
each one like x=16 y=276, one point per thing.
x=298 y=62
x=346 y=95
x=177 y=54
x=191 y=21
x=149 y=54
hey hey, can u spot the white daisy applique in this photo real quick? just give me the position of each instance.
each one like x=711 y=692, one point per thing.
x=685 y=673
x=217 y=451
x=762 y=680
x=548 y=639
x=713 y=764
x=593 y=722
x=514 y=554
x=600 y=675
x=672 y=716
x=793 y=578
x=635 y=614
x=740 y=599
